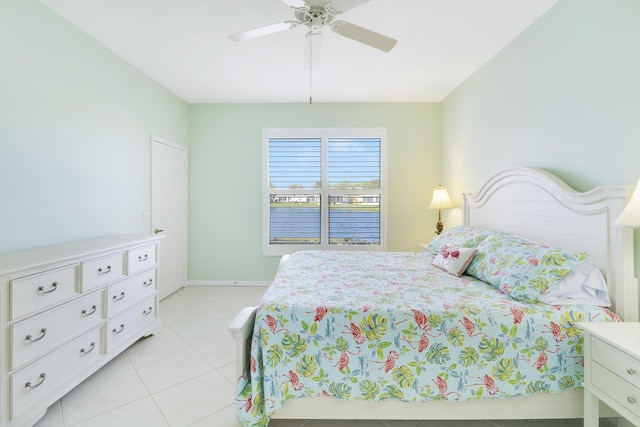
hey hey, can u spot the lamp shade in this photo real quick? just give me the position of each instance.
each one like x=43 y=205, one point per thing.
x=440 y=199
x=630 y=216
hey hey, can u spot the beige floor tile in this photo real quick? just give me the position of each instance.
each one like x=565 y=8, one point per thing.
x=224 y=418
x=288 y=423
x=193 y=400
x=53 y=417
x=113 y=386
x=343 y=423
x=229 y=373
x=141 y=413
x=219 y=353
x=165 y=343
x=556 y=423
x=174 y=369
x=458 y=423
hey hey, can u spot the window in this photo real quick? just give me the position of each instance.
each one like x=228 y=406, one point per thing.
x=323 y=189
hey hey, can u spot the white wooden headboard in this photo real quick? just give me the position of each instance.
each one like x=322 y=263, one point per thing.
x=537 y=205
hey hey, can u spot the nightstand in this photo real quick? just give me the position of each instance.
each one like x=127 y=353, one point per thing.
x=424 y=247
x=611 y=370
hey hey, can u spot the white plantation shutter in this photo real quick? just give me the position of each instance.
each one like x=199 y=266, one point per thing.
x=354 y=190
x=323 y=189
x=354 y=160
x=295 y=162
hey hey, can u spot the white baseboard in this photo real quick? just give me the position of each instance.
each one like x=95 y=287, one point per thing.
x=226 y=283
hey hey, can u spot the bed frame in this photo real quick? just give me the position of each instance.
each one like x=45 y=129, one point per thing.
x=534 y=204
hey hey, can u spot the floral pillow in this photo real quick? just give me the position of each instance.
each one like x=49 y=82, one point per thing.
x=491 y=260
x=454 y=259
x=520 y=268
x=463 y=236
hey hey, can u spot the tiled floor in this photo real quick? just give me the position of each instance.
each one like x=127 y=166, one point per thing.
x=184 y=376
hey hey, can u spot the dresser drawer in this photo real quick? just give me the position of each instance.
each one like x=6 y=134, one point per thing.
x=621 y=391
x=33 y=337
x=39 y=379
x=102 y=271
x=140 y=259
x=621 y=364
x=31 y=294
x=124 y=294
x=121 y=327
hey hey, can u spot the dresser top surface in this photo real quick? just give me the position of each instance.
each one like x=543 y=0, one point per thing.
x=15 y=261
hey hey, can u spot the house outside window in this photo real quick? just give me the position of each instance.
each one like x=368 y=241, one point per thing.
x=324 y=189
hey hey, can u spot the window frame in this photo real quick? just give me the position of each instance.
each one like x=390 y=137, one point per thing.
x=324 y=134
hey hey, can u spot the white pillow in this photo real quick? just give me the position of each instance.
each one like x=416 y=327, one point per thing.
x=585 y=285
x=454 y=259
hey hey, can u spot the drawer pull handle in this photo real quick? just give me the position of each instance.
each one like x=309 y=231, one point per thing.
x=631 y=399
x=28 y=384
x=117 y=331
x=91 y=347
x=148 y=311
x=631 y=371
x=104 y=271
x=89 y=313
x=29 y=337
x=143 y=258
x=54 y=286
x=118 y=298
x=148 y=283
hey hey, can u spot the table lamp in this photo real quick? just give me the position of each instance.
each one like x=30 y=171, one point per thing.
x=439 y=201
x=630 y=216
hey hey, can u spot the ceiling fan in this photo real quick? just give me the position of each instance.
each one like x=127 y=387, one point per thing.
x=316 y=14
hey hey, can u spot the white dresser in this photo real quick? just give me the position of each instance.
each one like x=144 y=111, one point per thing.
x=612 y=371
x=65 y=311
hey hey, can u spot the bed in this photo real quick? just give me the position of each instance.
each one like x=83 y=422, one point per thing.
x=368 y=335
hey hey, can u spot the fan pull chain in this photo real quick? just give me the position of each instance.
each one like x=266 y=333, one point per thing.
x=310 y=69
x=310 y=96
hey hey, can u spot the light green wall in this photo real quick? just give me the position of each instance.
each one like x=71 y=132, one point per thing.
x=225 y=161
x=564 y=96
x=75 y=129
x=76 y=120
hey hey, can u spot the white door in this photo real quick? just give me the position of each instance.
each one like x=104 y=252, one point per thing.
x=169 y=212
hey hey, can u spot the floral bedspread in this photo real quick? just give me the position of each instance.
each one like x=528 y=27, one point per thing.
x=377 y=326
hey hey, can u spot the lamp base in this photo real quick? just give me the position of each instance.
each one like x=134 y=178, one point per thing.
x=439 y=227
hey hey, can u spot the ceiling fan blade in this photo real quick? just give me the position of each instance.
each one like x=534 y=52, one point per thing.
x=363 y=35
x=294 y=3
x=263 y=31
x=340 y=6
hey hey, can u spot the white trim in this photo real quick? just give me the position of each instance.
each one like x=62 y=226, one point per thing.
x=226 y=283
x=155 y=138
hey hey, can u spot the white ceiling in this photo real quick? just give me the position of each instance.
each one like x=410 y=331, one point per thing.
x=184 y=46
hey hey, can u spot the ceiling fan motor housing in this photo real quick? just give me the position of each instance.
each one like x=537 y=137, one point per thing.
x=314 y=17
